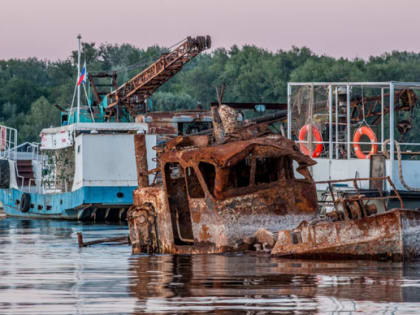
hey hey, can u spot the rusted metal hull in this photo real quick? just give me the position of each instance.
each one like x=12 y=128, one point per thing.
x=216 y=228
x=392 y=235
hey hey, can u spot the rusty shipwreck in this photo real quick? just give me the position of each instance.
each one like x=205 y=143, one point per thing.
x=244 y=187
x=211 y=191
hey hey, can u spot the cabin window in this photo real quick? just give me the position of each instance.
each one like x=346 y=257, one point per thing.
x=194 y=187
x=209 y=173
x=240 y=173
x=267 y=170
x=188 y=128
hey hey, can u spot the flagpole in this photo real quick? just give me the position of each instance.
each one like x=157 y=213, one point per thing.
x=78 y=77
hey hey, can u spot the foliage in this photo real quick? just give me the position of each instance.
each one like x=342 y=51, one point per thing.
x=41 y=115
x=29 y=87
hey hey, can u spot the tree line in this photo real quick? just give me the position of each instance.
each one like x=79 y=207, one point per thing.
x=30 y=87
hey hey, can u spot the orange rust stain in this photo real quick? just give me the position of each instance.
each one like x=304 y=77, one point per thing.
x=204 y=233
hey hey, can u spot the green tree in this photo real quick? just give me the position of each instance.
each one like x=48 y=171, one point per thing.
x=41 y=115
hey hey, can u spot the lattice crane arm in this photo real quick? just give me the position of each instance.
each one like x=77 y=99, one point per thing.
x=132 y=94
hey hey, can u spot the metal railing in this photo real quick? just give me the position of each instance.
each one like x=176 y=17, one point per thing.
x=39 y=185
x=381 y=196
x=8 y=143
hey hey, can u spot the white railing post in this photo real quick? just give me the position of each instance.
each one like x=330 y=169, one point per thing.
x=289 y=111
x=330 y=123
x=348 y=123
x=391 y=128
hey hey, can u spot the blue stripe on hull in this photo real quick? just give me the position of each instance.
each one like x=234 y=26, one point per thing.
x=66 y=205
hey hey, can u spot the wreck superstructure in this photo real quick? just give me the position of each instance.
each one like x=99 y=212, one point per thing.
x=209 y=193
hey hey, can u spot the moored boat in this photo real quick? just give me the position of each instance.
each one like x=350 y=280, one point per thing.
x=85 y=169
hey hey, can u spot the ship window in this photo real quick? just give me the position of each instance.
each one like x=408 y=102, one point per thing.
x=240 y=173
x=267 y=170
x=78 y=148
x=209 y=172
x=189 y=128
x=194 y=187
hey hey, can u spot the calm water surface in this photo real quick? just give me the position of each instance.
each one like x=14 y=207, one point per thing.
x=42 y=271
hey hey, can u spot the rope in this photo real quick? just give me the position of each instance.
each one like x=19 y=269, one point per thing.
x=400 y=174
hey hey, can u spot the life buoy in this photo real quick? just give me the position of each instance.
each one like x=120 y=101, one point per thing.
x=3 y=138
x=365 y=130
x=316 y=134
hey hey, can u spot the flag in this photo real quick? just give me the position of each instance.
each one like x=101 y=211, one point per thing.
x=83 y=75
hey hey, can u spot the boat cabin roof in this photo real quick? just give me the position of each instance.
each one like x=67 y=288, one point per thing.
x=97 y=127
x=228 y=154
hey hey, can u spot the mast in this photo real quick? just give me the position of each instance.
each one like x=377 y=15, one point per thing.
x=78 y=77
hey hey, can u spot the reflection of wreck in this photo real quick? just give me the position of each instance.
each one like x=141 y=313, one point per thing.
x=215 y=191
x=193 y=283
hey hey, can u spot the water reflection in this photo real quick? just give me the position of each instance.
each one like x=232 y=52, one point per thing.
x=222 y=283
x=43 y=271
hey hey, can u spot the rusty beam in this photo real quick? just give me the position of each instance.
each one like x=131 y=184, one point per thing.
x=268 y=106
x=141 y=160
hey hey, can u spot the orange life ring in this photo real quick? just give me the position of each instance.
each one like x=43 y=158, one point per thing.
x=3 y=139
x=316 y=134
x=365 y=130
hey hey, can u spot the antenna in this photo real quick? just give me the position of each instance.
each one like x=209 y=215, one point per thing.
x=79 y=37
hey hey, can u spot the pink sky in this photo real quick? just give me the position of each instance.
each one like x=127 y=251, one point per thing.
x=353 y=28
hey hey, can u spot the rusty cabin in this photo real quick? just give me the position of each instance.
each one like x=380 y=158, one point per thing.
x=207 y=197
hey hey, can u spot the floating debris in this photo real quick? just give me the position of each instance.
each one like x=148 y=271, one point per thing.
x=119 y=240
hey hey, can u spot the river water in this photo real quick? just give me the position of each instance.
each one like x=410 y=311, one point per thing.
x=42 y=271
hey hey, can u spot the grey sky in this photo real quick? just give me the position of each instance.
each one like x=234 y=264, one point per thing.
x=354 y=28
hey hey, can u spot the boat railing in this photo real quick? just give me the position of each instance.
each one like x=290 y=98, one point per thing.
x=411 y=150
x=54 y=186
x=362 y=195
x=39 y=185
x=34 y=187
x=351 y=120
x=8 y=143
x=33 y=150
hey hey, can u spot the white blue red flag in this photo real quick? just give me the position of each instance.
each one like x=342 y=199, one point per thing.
x=83 y=75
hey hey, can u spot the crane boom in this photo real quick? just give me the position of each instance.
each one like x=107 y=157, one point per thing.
x=132 y=94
